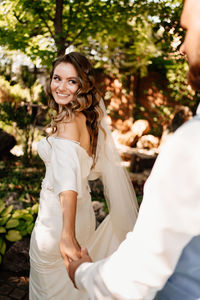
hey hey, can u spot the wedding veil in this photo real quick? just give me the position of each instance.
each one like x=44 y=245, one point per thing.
x=118 y=189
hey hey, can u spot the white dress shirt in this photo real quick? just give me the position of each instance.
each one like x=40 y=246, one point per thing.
x=168 y=219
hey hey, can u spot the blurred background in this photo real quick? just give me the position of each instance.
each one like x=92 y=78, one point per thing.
x=134 y=48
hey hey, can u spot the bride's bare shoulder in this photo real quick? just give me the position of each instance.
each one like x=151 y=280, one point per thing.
x=70 y=130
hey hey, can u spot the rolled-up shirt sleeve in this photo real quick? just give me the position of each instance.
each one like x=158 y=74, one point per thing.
x=66 y=171
x=167 y=221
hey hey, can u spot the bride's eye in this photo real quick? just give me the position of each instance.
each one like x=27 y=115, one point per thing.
x=72 y=81
x=56 y=77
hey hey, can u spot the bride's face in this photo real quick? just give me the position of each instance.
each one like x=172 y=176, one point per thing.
x=64 y=83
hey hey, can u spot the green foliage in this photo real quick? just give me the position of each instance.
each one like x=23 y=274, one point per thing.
x=15 y=93
x=177 y=78
x=24 y=116
x=42 y=28
x=15 y=224
x=140 y=49
x=11 y=112
x=22 y=107
x=151 y=30
x=125 y=38
x=24 y=181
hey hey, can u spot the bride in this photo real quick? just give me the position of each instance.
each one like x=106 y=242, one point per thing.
x=79 y=148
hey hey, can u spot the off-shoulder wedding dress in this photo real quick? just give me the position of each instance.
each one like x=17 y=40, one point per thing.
x=68 y=166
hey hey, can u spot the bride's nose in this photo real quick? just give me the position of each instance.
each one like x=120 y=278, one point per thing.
x=62 y=86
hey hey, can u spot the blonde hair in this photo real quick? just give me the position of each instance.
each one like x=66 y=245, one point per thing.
x=86 y=99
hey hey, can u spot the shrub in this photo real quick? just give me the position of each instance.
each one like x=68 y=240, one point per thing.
x=15 y=224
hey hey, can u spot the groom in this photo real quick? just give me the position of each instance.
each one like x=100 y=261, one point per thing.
x=160 y=258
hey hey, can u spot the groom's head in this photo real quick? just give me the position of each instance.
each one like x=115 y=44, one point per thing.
x=190 y=21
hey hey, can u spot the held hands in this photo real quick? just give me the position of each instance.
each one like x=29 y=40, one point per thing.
x=72 y=254
x=70 y=249
x=74 y=264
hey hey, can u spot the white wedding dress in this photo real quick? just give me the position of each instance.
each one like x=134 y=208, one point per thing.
x=68 y=166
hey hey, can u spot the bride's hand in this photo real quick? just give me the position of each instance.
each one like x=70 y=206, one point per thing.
x=70 y=249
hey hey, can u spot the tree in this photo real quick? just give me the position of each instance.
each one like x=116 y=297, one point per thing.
x=128 y=38
x=46 y=28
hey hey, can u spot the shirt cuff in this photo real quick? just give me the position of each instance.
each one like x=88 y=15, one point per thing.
x=79 y=274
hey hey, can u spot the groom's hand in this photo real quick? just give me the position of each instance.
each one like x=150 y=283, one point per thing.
x=73 y=265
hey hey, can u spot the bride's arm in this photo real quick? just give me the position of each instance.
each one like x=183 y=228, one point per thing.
x=69 y=247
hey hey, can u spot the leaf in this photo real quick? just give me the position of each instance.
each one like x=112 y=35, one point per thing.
x=35 y=208
x=2 y=205
x=28 y=217
x=30 y=228
x=7 y=211
x=4 y=219
x=2 y=230
x=19 y=213
x=12 y=223
x=3 y=248
x=23 y=232
x=13 y=235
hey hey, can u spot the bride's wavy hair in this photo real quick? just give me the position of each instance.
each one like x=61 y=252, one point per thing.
x=86 y=98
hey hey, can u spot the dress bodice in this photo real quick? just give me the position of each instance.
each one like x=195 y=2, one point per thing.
x=67 y=164
x=45 y=150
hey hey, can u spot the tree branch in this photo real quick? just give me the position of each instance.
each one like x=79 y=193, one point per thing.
x=49 y=16
x=78 y=34
x=18 y=19
x=47 y=25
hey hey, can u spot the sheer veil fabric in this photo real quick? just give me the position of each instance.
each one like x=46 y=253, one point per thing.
x=118 y=189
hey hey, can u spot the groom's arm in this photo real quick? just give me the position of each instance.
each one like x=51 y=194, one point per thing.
x=168 y=219
x=101 y=283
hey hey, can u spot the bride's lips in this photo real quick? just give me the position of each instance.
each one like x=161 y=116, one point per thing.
x=62 y=95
